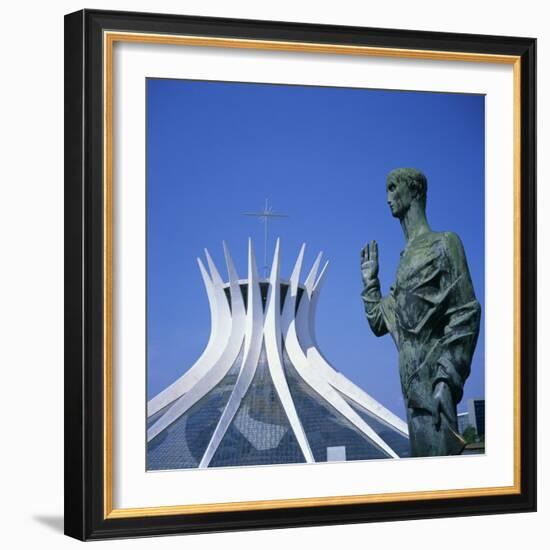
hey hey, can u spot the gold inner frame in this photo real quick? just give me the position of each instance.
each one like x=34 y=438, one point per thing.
x=109 y=39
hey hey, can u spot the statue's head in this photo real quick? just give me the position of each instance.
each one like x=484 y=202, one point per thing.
x=405 y=186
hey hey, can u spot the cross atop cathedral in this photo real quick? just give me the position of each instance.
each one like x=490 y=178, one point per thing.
x=265 y=217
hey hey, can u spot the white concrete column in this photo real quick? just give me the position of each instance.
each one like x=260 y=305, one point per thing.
x=252 y=349
x=223 y=358
x=220 y=331
x=301 y=357
x=272 y=334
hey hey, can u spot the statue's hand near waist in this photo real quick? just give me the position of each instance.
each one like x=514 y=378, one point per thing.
x=443 y=403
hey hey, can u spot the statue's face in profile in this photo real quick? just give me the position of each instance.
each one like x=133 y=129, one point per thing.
x=399 y=197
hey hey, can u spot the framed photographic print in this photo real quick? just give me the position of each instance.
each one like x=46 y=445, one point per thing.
x=300 y=274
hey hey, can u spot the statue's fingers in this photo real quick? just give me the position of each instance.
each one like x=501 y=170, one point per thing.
x=445 y=401
x=436 y=413
x=367 y=252
x=374 y=250
x=448 y=409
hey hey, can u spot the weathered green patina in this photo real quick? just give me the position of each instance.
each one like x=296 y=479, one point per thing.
x=431 y=313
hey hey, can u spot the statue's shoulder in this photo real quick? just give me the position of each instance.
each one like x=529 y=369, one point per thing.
x=443 y=238
x=438 y=247
x=453 y=247
x=446 y=242
x=451 y=238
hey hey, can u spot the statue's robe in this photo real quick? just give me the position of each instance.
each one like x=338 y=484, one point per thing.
x=433 y=316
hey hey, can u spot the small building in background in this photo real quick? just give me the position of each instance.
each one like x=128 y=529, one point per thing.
x=463 y=422
x=476 y=416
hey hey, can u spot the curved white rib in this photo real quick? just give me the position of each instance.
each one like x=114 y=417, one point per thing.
x=252 y=350
x=316 y=358
x=302 y=362
x=272 y=335
x=237 y=304
x=212 y=373
x=310 y=279
x=220 y=318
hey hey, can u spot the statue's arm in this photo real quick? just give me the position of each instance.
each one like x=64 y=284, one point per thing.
x=462 y=319
x=373 y=300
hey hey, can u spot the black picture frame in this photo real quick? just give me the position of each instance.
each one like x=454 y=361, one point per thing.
x=85 y=396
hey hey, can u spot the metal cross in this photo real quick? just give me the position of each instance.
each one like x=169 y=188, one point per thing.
x=265 y=215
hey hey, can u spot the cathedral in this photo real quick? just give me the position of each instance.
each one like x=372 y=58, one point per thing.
x=262 y=392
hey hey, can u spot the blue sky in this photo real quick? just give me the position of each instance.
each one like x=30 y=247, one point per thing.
x=321 y=156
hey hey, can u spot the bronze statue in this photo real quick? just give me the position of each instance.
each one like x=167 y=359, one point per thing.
x=431 y=313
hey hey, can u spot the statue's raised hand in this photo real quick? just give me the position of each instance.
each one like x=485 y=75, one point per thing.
x=369 y=261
